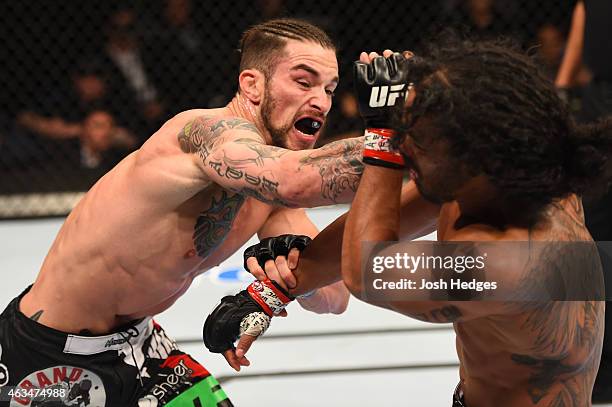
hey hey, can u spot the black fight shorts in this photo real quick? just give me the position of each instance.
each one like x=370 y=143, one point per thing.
x=136 y=366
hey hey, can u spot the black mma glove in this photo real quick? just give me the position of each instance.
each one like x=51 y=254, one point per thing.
x=248 y=312
x=251 y=310
x=381 y=88
x=272 y=247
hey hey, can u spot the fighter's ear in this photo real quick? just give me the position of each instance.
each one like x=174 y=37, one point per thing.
x=252 y=84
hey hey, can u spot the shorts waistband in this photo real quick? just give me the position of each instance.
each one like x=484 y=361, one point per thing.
x=125 y=337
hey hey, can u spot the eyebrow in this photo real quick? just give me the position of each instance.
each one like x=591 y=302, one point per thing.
x=312 y=71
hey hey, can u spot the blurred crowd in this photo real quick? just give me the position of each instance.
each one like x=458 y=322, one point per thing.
x=86 y=83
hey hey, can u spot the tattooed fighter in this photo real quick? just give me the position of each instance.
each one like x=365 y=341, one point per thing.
x=195 y=192
x=485 y=137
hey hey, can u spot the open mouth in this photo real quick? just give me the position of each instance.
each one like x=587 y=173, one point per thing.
x=308 y=126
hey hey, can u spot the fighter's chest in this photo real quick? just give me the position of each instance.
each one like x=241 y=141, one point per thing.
x=226 y=219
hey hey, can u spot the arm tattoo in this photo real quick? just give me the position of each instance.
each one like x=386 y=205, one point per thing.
x=214 y=224
x=263 y=187
x=262 y=152
x=37 y=315
x=339 y=165
x=203 y=133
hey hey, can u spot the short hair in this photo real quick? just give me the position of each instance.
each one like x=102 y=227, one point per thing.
x=262 y=44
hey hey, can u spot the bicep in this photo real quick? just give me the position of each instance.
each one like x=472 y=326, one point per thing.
x=231 y=152
x=250 y=168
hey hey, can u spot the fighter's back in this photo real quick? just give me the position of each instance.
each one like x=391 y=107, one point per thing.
x=523 y=352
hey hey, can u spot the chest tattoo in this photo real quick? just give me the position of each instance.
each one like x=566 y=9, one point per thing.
x=214 y=224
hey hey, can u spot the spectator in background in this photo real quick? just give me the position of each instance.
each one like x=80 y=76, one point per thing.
x=550 y=44
x=270 y=9
x=71 y=129
x=60 y=115
x=100 y=140
x=180 y=48
x=127 y=64
x=478 y=18
x=589 y=41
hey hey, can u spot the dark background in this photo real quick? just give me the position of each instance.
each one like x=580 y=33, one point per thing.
x=186 y=51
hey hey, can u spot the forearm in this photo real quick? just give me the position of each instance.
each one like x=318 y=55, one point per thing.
x=320 y=262
x=374 y=217
x=573 y=50
x=334 y=171
x=49 y=127
x=329 y=299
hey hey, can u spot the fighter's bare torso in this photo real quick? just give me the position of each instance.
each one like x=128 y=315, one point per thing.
x=135 y=242
x=532 y=354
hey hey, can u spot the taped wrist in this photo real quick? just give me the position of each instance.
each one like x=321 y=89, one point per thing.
x=377 y=148
x=223 y=326
x=270 y=296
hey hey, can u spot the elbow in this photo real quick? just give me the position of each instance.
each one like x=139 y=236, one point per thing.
x=353 y=285
x=340 y=306
x=351 y=270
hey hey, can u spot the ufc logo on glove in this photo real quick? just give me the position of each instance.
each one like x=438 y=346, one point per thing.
x=381 y=96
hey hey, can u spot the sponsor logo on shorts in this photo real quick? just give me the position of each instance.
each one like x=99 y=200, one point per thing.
x=113 y=342
x=126 y=335
x=4 y=373
x=180 y=376
x=76 y=387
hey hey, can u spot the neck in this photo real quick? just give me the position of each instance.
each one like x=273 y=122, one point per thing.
x=479 y=202
x=240 y=106
x=482 y=203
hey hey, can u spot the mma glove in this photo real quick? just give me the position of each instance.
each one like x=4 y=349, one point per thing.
x=272 y=247
x=250 y=311
x=381 y=88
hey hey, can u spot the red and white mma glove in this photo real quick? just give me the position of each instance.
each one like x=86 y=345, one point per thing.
x=381 y=88
x=248 y=312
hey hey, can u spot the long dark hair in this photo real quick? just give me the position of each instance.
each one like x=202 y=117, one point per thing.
x=503 y=118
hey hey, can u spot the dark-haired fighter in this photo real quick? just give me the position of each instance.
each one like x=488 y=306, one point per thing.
x=197 y=190
x=484 y=136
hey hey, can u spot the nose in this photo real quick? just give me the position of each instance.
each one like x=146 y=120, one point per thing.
x=321 y=101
